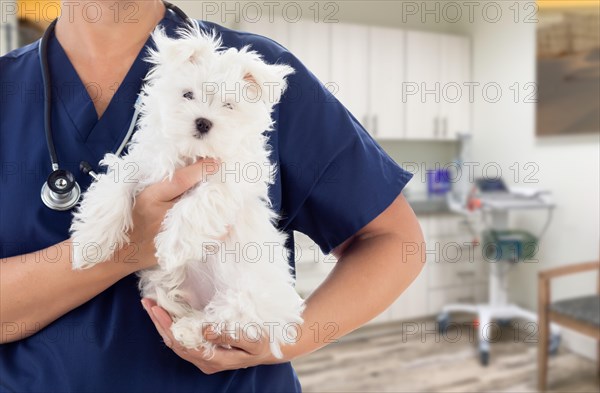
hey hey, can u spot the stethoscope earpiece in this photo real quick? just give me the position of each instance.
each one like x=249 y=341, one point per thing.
x=60 y=191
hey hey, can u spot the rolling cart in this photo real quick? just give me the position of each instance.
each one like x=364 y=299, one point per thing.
x=502 y=248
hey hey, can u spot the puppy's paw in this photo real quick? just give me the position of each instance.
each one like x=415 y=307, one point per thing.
x=188 y=332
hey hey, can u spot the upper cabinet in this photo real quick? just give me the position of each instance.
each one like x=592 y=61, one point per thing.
x=436 y=94
x=277 y=30
x=310 y=42
x=367 y=64
x=421 y=90
x=350 y=68
x=398 y=84
x=455 y=76
x=386 y=76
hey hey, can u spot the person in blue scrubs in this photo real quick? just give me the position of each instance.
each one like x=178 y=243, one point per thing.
x=87 y=331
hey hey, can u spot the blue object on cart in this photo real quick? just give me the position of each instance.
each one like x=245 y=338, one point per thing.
x=512 y=245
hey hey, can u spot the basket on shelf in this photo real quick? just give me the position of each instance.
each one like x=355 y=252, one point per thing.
x=509 y=245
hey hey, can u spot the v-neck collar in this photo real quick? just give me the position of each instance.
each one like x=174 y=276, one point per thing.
x=104 y=134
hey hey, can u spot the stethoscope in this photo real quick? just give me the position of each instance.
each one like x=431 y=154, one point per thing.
x=60 y=191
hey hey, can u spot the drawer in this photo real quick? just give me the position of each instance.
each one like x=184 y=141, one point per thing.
x=413 y=302
x=450 y=266
x=482 y=293
x=446 y=274
x=446 y=226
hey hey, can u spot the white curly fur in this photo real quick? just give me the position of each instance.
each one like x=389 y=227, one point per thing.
x=221 y=259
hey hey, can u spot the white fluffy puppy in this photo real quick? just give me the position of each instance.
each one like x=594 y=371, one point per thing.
x=221 y=259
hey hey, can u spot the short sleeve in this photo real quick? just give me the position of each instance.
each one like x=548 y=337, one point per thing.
x=335 y=178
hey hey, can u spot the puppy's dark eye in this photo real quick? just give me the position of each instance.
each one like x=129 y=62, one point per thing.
x=188 y=95
x=228 y=105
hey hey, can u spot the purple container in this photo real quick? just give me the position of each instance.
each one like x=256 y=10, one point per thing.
x=438 y=181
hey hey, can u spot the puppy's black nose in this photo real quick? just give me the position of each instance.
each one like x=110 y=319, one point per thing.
x=203 y=126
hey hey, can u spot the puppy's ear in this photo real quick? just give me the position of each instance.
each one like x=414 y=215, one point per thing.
x=269 y=79
x=191 y=46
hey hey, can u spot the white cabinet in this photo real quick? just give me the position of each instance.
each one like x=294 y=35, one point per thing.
x=437 y=99
x=455 y=74
x=362 y=66
x=413 y=302
x=398 y=84
x=312 y=266
x=421 y=90
x=386 y=76
x=277 y=30
x=349 y=68
x=368 y=69
x=310 y=42
x=456 y=272
x=410 y=305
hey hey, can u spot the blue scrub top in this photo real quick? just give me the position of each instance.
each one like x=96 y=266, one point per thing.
x=333 y=179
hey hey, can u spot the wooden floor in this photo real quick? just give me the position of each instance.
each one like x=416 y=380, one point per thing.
x=383 y=359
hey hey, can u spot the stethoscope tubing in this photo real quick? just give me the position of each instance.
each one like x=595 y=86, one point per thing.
x=66 y=199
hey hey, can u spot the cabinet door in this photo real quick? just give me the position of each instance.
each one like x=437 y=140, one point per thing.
x=278 y=30
x=349 y=68
x=413 y=302
x=422 y=76
x=310 y=42
x=386 y=75
x=456 y=71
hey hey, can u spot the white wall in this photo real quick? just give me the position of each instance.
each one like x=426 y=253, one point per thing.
x=504 y=53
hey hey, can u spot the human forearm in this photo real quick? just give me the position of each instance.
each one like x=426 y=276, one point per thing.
x=364 y=283
x=37 y=288
x=369 y=276
x=375 y=266
x=373 y=269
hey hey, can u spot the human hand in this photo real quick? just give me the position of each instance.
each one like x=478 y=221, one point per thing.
x=151 y=206
x=230 y=353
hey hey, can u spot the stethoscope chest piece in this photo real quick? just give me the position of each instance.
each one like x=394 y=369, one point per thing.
x=61 y=191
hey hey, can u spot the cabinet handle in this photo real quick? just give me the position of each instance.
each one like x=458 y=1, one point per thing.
x=375 y=125
x=469 y=299
x=465 y=274
x=436 y=126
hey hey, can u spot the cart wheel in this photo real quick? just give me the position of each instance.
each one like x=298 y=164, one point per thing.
x=484 y=358
x=443 y=320
x=554 y=344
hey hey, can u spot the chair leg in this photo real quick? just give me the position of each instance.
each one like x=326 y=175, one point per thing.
x=543 y=335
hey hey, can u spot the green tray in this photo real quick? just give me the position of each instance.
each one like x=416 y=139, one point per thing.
x=509 y=245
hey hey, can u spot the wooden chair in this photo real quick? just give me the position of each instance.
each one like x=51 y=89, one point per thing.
x=581 y=314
